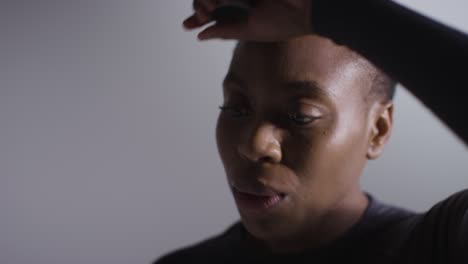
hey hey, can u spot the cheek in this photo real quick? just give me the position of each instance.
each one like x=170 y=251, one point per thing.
x=327 y=160
x=307 y=152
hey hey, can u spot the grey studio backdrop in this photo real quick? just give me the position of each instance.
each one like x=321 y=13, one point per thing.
x=107 y=116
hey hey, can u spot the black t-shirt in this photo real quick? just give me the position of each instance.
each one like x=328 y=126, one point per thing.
x=384 y=234
x=429 y=59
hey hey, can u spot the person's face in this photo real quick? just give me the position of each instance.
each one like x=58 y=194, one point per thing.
x=294 y=132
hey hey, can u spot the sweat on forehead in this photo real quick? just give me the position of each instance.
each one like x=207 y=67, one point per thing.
x=302 y=49
x=310 y=58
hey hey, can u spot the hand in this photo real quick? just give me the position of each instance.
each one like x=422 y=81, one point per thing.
x=269 y=20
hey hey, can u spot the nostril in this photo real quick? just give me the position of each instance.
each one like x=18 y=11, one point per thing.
x=260 y=157
x=266 y=159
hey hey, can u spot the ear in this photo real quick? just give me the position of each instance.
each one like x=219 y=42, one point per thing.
x=381 y=128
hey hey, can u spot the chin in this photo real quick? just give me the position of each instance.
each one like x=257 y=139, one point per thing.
x=268 y=228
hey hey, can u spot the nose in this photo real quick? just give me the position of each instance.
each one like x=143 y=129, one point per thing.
x=261 y=144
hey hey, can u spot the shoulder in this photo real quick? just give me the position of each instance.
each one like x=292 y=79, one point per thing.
x=450 y=214
x=216 y=248
x=442 y=232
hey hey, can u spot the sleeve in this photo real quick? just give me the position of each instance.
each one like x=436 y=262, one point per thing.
x=427 y=57
x=441 y=236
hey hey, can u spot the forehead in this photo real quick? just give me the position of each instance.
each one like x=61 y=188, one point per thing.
x=313 y=59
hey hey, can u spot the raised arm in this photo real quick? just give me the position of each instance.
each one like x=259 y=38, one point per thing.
x=427 y=57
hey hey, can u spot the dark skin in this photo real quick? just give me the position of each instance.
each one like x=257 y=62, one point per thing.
x=269 y=21
x=297 y=121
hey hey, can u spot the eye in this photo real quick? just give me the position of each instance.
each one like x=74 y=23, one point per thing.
x=235 y=111
x=301 y=119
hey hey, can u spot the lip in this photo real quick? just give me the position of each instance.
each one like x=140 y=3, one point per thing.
x=258 y=201
x=255 y=190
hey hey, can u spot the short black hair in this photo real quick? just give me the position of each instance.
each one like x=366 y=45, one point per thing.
x=383 y=86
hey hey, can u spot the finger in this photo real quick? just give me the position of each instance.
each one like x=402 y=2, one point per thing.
x=222 y=31
x=207 y=5
x=196 y=21
x=202 y=16
x=191 y=22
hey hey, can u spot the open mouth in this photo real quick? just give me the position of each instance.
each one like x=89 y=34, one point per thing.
x=257 y=201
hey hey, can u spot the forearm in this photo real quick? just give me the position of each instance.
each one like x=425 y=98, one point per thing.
x=425 y=56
